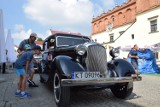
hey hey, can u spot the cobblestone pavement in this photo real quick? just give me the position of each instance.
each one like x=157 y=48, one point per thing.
x=145 y=94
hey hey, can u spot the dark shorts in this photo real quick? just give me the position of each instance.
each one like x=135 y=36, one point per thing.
x=135 y=64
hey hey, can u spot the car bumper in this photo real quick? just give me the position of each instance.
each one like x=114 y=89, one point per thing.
x=82 y=82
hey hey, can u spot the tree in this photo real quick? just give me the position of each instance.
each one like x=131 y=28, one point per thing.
x=39 y=39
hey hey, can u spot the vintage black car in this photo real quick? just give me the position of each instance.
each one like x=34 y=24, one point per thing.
x=70 y=61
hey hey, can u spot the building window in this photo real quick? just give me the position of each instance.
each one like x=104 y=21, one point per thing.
x=153 y=24
x=132 y=36
x=113 y=19
x=111 y=37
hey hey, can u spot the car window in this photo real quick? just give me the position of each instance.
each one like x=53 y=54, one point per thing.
x=70 y=41
x=51 y=43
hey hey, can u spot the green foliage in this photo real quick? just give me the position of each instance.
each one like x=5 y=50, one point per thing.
x=39 y=39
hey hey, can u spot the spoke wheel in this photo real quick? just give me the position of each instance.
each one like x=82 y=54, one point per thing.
x=61 y=93
x=57 y=88
x=122 y=90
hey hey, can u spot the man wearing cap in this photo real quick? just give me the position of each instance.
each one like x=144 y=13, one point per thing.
x=21 y=49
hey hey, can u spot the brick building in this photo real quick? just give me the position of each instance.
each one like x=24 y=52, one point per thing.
x=134 y=22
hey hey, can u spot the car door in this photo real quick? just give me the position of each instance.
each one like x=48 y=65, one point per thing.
x=44 y=57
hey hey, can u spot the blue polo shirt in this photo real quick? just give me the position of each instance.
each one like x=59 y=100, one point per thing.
x=21 y=61
x=24 y=42
x=133 y=53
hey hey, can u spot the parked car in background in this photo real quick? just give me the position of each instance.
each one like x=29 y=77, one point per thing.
x=70 y=61
x=37 y=59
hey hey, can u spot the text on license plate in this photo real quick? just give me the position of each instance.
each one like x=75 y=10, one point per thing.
x=86 y=75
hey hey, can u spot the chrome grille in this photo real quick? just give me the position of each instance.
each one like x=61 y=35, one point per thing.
x=96 y=59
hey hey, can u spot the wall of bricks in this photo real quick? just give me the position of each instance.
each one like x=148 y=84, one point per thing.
x=121 y=15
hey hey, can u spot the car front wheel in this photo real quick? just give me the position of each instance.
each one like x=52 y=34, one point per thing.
x=122 y=90
x=61 y=93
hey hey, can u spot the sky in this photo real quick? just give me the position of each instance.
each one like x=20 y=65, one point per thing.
x=25 y=16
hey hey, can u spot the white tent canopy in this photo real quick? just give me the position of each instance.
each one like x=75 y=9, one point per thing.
x=10 y=52
x=2 y=40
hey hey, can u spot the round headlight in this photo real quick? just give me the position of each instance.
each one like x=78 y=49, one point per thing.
x=114 y=52
x=80 y=50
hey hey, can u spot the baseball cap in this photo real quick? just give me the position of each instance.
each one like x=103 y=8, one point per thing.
x=36 y=48
x=27 y=47
x=34 y=34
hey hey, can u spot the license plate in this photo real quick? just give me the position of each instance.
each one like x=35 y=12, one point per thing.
x=86 y=75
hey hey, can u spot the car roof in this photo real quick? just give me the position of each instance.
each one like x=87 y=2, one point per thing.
x=66 y=35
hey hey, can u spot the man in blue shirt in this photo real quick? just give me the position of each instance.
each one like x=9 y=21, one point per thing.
x=30 y=41
x=21 y=49
x=21 y=66
x=134 y=58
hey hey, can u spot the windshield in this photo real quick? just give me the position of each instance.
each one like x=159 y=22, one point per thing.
x=70 y=41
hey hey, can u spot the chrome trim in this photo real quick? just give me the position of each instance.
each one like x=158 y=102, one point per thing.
x=96 y=59
x=82 y=82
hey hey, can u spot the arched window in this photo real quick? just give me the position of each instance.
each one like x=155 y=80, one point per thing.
x=128 y=15
x=120 y=18
x=95 y=28
x=100 y=26
x=113 y=18
x=105 y=22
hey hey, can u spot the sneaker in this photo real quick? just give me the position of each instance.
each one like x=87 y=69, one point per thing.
x=30 y=85
x=26 y=95
x=17 y=94
x=30 y=81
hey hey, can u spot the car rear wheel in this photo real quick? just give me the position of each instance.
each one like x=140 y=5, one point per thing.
x=122 y=90
x=61 y=93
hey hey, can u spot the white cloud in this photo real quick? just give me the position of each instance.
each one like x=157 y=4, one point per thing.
x=64 y=14
x=108 y=4
x=101 y=6
x=67 y=15
x=19 y=33
x=19 y=27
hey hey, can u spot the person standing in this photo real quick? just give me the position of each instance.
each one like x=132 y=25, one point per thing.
x=21 y=49
x=134 y=58
x=21 y=68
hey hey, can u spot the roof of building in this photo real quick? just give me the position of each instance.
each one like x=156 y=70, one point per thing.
x=115 y=9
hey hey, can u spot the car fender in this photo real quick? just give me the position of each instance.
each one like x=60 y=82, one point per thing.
x=123 y=67
x=66 y=65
